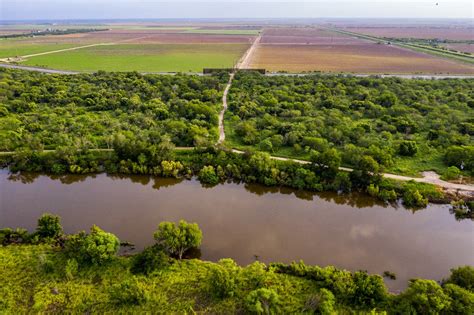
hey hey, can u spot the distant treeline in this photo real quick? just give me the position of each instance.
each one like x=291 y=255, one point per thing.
x=54 y=32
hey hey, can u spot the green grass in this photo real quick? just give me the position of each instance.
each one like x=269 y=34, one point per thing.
x=34 y=281
x=14 y=48
x=224 y=32
x=144 y=58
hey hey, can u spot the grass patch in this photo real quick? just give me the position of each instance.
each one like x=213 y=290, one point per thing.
x=144 y=58
x=15 y=48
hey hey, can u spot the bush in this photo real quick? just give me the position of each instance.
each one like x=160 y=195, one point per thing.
x=408 y=148
x=322 y=303
x=370 y=290
x=451 y=173
x=460 y=155
x=71 y=269
x=129 y=292
x=263 y=301
x=49 y=226
x=150 y=259
x=10 y=236
x=95 y=248
x=177 y=239
x=413 y=199
x=462 y=300
x=462 y=277
x=208 y=175
x=422 y=297
x=387 y=195
x=223 y=279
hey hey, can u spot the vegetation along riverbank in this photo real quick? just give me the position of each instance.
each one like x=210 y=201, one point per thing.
x=49 y=271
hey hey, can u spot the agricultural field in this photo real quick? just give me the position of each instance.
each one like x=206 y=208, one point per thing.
x=143 y=58
x=419 y=32
x=315 y=49
x=166 y=49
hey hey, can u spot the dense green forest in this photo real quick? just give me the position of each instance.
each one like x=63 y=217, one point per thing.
x=130 y=123
x=406 y=126
x=39 y=111
x=48 y=271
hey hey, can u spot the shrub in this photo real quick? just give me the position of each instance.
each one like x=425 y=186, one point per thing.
x=95 y=248
x=462 y=277
x=370 y=290
x=322 y=303
x=413 y=198
x=460 y=155
x=223 y=279
x=150 y=259
x=263 y=301
x=177 y=239
x=462 y=300
x=10 y=236
x=408 y=148
x=266 y=145
x=49 y=226
x=387 y=195
x=373 y=190
x=71 y=269
x=422 y=297
x=208 y=175
x=129 y=292
x=451 y=173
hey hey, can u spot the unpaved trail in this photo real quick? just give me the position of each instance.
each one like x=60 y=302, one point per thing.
x=224 y=108
x=428 y=177
x=244 y=62
x=63 y=50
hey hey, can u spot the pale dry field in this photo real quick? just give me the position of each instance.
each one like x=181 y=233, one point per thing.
x=312 y=49
x=426 y=32
x=376 y=59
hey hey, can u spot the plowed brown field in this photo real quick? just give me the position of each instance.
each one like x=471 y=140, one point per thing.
x=312 y=49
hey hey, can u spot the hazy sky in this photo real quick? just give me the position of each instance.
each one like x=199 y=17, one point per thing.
x=116 y=9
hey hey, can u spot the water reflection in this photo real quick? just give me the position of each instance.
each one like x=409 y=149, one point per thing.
x=354 y=199
x=245 y=221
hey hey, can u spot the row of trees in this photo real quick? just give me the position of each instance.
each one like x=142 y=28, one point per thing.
x=381 y=118
x=213 y=165
x=251 y=289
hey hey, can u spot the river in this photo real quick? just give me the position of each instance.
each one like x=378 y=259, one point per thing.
x=245 y=222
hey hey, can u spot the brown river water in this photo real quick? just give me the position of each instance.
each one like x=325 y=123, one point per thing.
x=245 y=222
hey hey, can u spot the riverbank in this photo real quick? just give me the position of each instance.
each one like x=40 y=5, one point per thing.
x=212 y=166
x=46 y=277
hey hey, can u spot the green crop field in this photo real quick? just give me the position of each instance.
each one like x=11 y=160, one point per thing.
x=14 y=48
x=144 y=58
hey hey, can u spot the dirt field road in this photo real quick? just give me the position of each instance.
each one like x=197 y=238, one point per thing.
x=244 y=62
x=428 y=177
x=224 y=108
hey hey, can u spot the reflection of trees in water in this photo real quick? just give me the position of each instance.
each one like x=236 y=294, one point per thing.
x=358 y=200
x=30 y=177
x=24 y=178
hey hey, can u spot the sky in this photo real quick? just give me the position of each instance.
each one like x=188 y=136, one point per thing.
x=148 y=9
